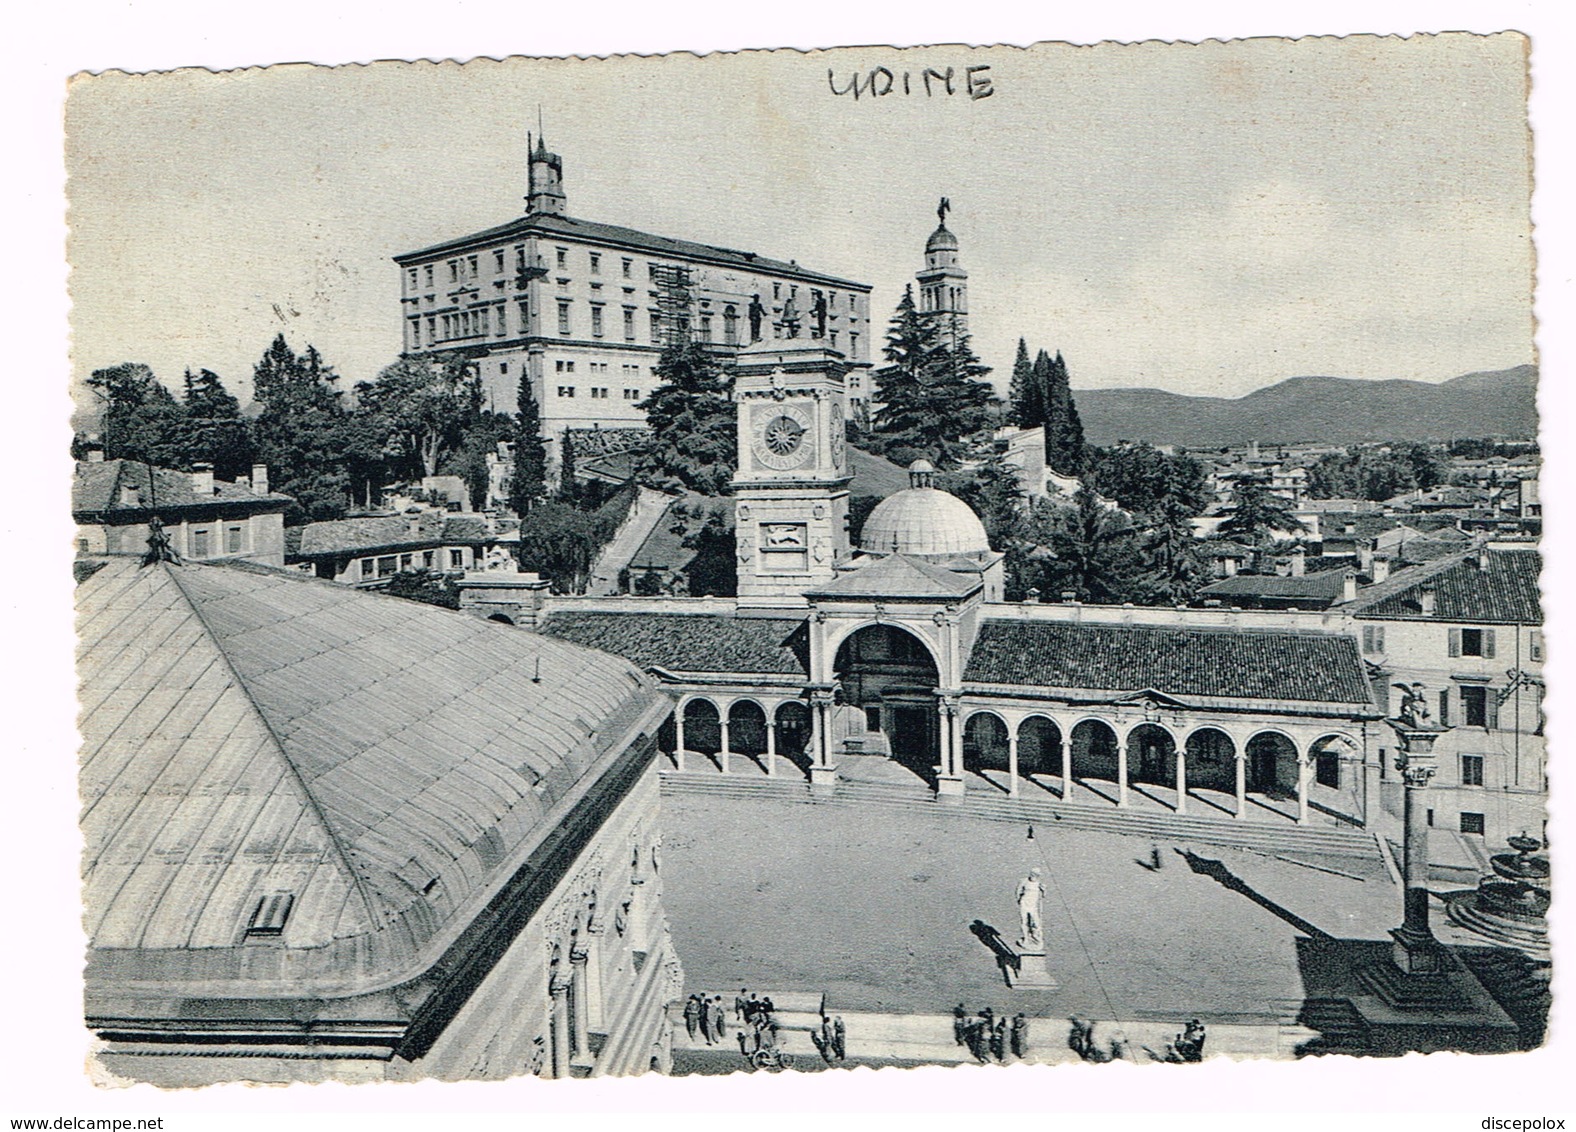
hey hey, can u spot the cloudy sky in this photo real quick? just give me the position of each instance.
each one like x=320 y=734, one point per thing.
x=1206 y=219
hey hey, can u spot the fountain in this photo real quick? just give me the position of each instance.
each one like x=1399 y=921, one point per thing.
x=1512 y=906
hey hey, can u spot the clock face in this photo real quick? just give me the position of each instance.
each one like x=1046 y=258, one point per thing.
x=782 y=440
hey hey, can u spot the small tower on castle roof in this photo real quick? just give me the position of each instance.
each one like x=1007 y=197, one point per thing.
x=545 y=179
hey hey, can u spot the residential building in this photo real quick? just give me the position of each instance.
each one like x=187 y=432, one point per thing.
x=584 y=308
x=206 y=519
x=368 y=550
x=1469 y=629
x=336 y=835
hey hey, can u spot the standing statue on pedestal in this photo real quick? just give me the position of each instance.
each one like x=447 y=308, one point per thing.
x=757 y=314
x=1031 y=898
x=1414 y=706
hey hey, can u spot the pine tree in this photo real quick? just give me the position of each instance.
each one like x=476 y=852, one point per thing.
x=1256 y=512
x=142 y=420
x=529 y=481
x=691 y=418
x=1064 y=439
x=1027 y=391
x=215 y=432
x=934 y=398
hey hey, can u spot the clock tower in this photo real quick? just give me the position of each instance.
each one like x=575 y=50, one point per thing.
x=791 y=489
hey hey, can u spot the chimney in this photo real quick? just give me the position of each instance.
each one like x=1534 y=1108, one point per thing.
x=1299 y=562
x=202 y=480
x=1426 y=599
x=260 y=479
x=413 y=522
x=1482 y=556
x=1381 y=569
x=1365 y=555
x=1349 y=586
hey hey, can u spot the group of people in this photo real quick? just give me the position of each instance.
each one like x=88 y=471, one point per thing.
x=1188 y=1046
x=989 y=1037
x=757 y=1018
x=831 y=1040
x=705 y=1014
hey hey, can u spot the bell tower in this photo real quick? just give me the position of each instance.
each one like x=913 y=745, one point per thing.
x=943 y=284
x=791 y=488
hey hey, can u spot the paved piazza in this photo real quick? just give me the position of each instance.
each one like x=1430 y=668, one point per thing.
x=873 y=907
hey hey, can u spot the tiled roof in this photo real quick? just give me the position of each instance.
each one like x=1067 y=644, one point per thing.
x=1248 y=664
x=897 y=576
x=248 y=731
x=1324 y=585
x=97 y=489
x=387 y=532
x=548 y=224
x=1505 y=591
x=690 y=642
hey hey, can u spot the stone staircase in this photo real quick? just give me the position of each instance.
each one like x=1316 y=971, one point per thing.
x=1256 y=836
x=644 y=514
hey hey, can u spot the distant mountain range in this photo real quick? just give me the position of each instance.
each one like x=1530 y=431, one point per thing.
x=1334 y=410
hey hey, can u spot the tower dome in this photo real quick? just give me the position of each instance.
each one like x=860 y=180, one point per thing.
x=941 y=239
x=923 y=521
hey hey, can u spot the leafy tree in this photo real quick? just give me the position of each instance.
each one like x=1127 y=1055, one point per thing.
x=561 y=541
x=529 y=482
x=691 y=418
x=1064 y=438
x=206 y=396
x=427 y=400
x=933 y=394
x=478 y=440
x=317 y=452
x=1144 y=480
x=141 y=419
x=1096 y=556
x=1256 y=512
x=713 y=571
x=1026 y=391
x=1170 y=551
x=425 y=586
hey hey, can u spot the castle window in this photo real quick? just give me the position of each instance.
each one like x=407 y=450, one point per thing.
x=596 y=264
x=596 y=320
x=498 y=260
x=631 y=394
x=563 y=258
x=730 y=326
x=233 y=539
x=1472 y=770
x=629 y=322
x=566 y=390
x=563 y=316
x=429 y=274
x=629 y=268
x=454 y=271
x=503 y=321
x=456 y=559
x=705 y=328
x=475 y=271
x=503 y=368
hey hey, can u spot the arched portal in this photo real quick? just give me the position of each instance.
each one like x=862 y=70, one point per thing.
x=985 y=742
x=1094 y=753
x=1272 y=765
x=1211 y=760
x=792 y=722
x=1040 y=750
x=888 y=680
x=1151 y=755
x=1337 y=785
x=702 y=727
x=747 y=728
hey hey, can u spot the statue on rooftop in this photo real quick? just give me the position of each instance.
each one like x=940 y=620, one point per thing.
x=757 y=314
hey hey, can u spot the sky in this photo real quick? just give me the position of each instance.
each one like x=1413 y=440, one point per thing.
x=1207 y=219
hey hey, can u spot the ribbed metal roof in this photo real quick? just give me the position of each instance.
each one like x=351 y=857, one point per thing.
x=250 y=732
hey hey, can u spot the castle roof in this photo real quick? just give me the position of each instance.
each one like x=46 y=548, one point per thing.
x=613 y=235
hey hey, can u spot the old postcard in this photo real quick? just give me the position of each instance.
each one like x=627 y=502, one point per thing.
x=796 y=561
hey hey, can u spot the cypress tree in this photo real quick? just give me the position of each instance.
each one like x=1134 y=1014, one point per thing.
x=1027 y=391
x=1064 y=440
x=568 y=486
x=529 y=482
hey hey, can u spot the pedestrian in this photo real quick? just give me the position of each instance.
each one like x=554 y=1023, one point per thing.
x=839 y=1038
x=1020 y=1036
x=767 y=1006
x=959 y=1021
x=998 y=1040
x=719 y=1018
x=740 y=1003
x=977 y=1041
x=707 y=1029
x=692 y=1014
x=744 y=1049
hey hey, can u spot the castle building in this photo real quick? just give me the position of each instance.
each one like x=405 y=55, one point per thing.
x=584 y=308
